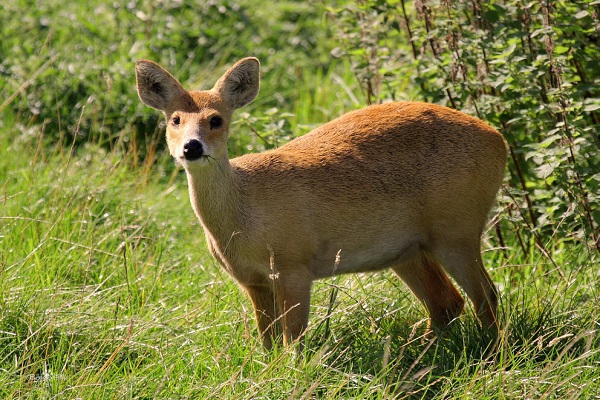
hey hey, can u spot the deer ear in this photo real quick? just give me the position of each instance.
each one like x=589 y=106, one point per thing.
x=156 y=87
x=240 y=84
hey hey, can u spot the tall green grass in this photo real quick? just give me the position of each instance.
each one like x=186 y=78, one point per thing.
x=108 y=291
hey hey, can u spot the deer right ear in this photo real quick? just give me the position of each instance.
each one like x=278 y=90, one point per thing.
x=156 y=87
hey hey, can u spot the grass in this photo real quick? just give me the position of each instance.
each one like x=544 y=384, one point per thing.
x=108 y=291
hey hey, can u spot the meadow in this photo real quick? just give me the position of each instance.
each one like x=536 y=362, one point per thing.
x=107 y=289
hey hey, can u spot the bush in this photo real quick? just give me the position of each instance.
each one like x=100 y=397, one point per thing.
x=530 y=69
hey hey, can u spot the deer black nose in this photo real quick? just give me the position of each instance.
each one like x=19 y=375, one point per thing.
x=192 y=150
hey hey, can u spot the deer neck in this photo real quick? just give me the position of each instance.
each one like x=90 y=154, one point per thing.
x=216 y=199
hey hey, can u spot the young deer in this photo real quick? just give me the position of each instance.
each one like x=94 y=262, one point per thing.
x=406 y=186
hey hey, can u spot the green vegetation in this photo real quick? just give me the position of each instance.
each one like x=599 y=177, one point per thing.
x=107 y=289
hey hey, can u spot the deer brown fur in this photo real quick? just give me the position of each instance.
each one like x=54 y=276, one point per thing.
x=406 y=186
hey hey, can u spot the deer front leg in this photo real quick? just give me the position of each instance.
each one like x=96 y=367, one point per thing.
x=293 y=300
x=265 y=311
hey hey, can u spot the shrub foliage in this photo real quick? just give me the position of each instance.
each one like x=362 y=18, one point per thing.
x=528 y=68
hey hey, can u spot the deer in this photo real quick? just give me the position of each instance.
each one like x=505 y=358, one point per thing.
x=405 y=186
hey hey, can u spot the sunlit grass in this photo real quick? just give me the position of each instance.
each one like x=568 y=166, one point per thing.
x=107 y=289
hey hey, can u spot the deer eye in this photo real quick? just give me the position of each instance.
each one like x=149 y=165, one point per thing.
x=176 y=120
x=215 y=122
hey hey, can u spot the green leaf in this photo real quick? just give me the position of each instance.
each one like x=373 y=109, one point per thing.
x=544 y=170
x=561 y=49
x=549 y=140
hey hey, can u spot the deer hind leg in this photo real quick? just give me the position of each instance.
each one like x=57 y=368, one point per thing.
x=428 y=281
x=266 y=313
x=462 y=260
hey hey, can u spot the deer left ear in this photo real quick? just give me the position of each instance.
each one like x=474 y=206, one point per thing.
x=240 y=84
x=156 y=87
